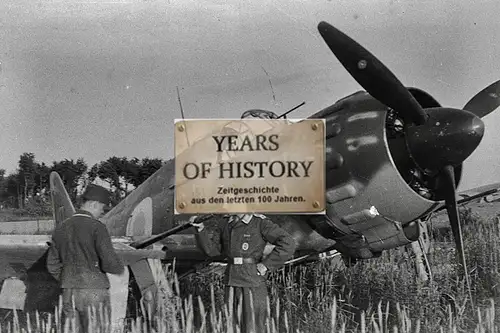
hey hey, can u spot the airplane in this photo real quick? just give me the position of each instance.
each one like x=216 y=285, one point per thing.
x=393 y=156
x=491 y=191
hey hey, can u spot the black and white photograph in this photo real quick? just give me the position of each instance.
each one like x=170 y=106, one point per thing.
x=361 y=195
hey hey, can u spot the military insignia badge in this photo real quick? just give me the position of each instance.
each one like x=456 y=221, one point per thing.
x=244 y=246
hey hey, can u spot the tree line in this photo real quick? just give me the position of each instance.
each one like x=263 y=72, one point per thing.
x=30 y=182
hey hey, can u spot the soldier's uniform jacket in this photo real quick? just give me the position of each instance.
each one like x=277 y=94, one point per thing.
x=247 y=238
x=82 y=253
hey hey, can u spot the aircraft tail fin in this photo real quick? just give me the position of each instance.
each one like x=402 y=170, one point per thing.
x=62 y=207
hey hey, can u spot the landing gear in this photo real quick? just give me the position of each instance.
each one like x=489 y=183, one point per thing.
x=420 y=249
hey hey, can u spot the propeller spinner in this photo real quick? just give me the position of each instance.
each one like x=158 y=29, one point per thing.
x=448 y=135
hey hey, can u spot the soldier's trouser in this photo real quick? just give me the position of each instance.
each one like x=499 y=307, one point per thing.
x=93 y=302
x=259 y=303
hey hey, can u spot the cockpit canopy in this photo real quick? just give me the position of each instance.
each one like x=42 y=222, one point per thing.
x=257 y=113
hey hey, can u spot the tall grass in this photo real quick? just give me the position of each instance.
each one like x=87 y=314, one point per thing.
x=378 y=295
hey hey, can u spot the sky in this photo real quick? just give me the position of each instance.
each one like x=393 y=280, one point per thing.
x=96 y=79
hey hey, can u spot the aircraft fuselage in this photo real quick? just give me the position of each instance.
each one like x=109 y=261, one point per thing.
x=366 y=166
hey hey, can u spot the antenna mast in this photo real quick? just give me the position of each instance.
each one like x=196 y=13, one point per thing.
x=182 y=113
x=295 y=108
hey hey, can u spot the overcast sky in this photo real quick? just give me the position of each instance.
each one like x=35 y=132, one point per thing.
x=96 y=79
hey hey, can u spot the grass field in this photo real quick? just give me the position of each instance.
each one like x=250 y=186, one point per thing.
x=379 y=295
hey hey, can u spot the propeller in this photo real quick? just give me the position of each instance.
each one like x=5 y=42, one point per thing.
x=485 y=101
x=371 y=74
x=448 y=135
x=447 y=176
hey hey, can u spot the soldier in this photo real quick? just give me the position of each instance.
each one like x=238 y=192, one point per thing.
x=241 y=239
x=80 y=256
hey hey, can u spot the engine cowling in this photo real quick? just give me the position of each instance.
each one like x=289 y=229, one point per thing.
x=374 y=193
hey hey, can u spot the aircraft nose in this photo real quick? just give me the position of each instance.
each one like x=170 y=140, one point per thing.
x=477 y=126
x=447 y=138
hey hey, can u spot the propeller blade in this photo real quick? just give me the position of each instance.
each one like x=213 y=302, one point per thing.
x=372 y=75
x=485 y=101
x=449 y=190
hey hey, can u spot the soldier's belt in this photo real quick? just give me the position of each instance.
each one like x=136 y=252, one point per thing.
x=241 y=261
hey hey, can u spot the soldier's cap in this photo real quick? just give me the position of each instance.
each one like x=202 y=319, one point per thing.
x=97 y=193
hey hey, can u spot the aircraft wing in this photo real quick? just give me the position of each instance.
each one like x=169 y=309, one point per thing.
x=20 y=252
x=471 y=195
x=28 y=285
x=479 y=191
